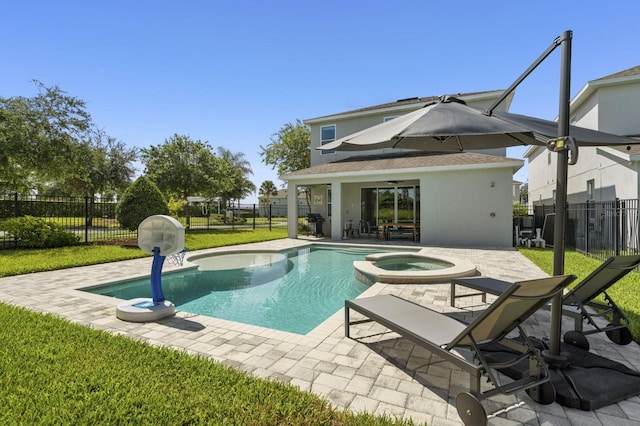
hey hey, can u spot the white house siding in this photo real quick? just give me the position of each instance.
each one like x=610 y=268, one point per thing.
x=619 y=110
x=462 y=208
x=542 y=174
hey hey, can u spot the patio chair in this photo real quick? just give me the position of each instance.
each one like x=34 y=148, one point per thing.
x=445 y=336
x=372 y=229
x=575 y=302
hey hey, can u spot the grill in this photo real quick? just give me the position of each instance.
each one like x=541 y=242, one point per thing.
x=318 y=220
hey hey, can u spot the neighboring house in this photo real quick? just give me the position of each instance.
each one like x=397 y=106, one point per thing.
x=610 y=104
x=516 y=191
x=279 y=203
x=456 y=199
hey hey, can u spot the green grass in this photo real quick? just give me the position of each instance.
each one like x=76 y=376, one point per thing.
x=54 y=372
x=625 y=292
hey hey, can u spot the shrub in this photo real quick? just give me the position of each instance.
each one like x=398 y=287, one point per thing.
x=35 y=232
x=141 y=200
x=520 y=209
x=176 y=207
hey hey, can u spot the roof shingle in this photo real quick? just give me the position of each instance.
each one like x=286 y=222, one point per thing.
x=397 y=161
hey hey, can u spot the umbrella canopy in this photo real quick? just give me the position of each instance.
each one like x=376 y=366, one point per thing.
x=452 y=125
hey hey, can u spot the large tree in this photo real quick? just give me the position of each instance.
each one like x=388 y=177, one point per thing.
x=103 y=165
x=289 y=149
x=38 y=137
x=181 y=167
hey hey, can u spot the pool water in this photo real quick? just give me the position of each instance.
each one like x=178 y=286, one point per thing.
x=409 y=263
x=293 y=291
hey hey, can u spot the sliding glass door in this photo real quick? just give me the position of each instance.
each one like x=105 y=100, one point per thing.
x=390 y=204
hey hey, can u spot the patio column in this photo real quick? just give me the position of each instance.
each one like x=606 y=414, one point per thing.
x=292 y=210
x=336 y=210
x=422 y=214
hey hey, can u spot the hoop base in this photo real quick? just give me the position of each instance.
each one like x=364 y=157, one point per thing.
x=144 y=310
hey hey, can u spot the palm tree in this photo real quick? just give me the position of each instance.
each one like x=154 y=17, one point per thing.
x=239 y=185
x=267 y=189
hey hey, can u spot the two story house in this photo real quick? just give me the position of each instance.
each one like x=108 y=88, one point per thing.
x=454 y=199
x=610 y=104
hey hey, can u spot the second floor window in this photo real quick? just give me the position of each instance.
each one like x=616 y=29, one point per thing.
x=327 y=134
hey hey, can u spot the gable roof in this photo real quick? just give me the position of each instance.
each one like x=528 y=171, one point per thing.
x=405 y=161
x=630 y=75
x=625 y=73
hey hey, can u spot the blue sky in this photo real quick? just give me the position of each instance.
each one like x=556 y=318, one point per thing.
x=234 y=72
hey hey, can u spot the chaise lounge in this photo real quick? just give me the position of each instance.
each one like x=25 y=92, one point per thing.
x=444 y=336
x=576 y=301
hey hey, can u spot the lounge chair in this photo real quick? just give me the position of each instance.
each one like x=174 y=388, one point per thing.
x=444 y=336
x=577 y=300
x=574 y=303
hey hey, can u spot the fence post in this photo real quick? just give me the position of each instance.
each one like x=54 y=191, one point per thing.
x=254 y=216
x=616 y=225
x=15 y=204
x=86 y=219
x=270 y=216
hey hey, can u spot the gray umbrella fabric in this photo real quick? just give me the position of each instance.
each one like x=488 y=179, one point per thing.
x=452 y=125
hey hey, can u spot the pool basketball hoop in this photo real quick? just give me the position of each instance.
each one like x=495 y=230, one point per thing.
x=162 y=236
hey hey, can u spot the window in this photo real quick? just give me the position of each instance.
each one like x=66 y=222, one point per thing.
x=591 y=190
x=327 y=134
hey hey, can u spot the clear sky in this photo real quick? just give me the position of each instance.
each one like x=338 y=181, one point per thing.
x=232 y=73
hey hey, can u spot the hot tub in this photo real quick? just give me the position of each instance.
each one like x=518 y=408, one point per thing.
x=411 y=268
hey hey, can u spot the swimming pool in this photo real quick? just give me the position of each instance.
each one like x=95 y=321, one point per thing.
x=293 y=290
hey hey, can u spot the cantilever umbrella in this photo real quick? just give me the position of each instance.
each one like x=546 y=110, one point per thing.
x=451 y=125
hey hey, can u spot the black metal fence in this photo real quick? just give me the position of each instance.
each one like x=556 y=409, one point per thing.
x=598 y=228
x=95 y=221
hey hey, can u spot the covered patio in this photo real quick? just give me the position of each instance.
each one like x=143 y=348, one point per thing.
x=449 y=199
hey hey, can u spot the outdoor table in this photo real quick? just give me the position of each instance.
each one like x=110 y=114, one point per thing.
x=483 y=284
x=384 y=226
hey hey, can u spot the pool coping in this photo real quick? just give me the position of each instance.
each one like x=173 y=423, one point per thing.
x=367 y=271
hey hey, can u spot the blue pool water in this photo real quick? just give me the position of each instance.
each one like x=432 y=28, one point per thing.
x=294 y=291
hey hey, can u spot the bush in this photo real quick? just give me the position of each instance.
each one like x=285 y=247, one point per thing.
x=34 y=232
x=141 y=200
x=176 y=207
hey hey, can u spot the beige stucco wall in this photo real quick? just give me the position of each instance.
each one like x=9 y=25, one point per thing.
x=463 y=208
x=456 y=206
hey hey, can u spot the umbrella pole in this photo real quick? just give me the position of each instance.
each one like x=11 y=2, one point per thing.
x=553 y=354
